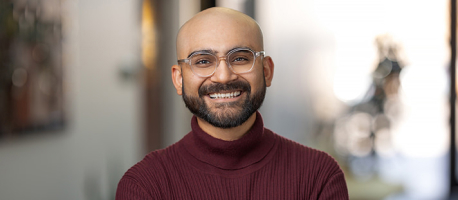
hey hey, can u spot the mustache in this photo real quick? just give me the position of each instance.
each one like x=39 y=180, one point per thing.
x=218 y=87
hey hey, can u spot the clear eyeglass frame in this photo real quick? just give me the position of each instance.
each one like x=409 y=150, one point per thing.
x=218 y=60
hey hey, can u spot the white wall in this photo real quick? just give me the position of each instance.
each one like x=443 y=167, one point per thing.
x=102 y=137
x=302 y=52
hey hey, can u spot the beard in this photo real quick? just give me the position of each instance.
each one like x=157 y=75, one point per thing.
x=229 y=114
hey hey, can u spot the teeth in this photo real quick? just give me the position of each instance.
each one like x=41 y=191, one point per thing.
x=224 y=95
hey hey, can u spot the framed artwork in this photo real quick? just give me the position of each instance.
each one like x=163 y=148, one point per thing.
x=31 y=75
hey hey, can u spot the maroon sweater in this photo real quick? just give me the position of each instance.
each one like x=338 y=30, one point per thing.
x=260 y=165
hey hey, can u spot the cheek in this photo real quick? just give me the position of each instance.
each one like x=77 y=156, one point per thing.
x=256 y=80
x=191 y=83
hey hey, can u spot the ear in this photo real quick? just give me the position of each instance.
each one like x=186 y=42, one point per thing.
x=177 y=79
x=268 y=66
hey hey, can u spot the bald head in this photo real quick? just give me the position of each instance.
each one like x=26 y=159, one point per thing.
x=217 y=29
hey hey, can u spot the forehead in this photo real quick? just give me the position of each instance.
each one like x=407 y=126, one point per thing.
x=218 y=33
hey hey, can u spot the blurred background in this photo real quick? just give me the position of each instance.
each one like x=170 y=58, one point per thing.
x=85 y=90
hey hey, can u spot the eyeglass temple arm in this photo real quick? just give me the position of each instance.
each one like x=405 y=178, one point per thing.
x=186 y=60
x=259 y=53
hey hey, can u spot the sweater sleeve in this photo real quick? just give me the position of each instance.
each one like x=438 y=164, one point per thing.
x=335 y=188
x=129 y=189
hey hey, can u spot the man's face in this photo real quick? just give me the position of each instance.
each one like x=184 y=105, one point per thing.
x=244 y=92
x=225 y=114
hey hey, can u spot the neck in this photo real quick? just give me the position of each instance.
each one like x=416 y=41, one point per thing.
x=227 y=134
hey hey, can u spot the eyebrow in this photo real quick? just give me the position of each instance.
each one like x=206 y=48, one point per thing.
x=215 y=52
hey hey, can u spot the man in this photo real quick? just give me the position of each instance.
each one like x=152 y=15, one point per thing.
x=222 y=75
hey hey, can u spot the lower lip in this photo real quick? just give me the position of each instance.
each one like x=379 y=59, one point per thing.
x=226 y=99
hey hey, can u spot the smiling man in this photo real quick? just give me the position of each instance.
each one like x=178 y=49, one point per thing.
x=222 y=74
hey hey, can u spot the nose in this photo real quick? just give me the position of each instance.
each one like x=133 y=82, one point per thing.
x=223 y=73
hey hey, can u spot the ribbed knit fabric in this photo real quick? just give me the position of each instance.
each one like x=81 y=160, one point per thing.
x=261 y=165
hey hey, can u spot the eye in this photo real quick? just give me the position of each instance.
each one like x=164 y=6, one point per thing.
x=240 y=59
x=202 y=62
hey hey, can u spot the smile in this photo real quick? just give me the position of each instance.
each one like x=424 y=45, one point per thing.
x=225 y=95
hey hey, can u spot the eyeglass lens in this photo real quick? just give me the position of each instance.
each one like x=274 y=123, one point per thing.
x=241 y=61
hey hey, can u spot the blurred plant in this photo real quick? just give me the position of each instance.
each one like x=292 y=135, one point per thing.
x=364 y=132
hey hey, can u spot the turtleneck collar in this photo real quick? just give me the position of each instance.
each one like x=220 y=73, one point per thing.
x=250 y=149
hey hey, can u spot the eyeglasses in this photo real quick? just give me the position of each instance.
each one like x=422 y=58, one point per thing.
x=204 y=64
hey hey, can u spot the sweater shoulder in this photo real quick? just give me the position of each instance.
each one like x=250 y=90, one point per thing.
x=307 y=156
x=154 y=169
x=146 y=178
x=154 y=162
x=324 y=176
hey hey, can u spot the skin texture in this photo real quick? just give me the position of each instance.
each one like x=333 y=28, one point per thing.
x=220 y=30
